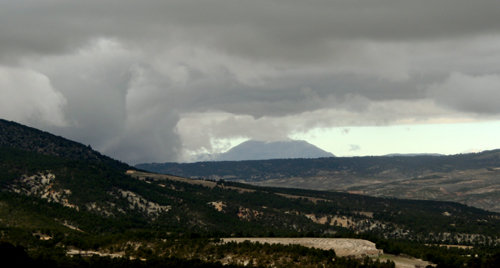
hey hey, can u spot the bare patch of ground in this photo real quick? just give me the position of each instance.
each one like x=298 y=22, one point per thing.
x=143 y=204
x=241 y=190
x=88 y=253
x=154 y=176
x=211 y=184
x=219 y=206
x=65 y=223
x=312 y=199
x=342 y=221
x=333 y=220
x=367 y=214
x=248 y=214
x=342 y=246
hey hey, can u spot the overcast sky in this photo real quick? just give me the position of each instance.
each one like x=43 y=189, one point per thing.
x=155 y=81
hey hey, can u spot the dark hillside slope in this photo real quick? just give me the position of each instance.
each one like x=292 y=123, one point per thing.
x=98 y=199
x=22 y=137
x=83 y=193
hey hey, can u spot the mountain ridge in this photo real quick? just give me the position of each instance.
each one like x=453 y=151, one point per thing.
x=262 y=150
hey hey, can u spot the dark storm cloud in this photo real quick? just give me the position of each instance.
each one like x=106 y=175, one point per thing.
x=279 y=29
x=127 y=76
x=477 y=94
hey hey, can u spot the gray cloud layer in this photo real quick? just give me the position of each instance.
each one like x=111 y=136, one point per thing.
x=146 y=81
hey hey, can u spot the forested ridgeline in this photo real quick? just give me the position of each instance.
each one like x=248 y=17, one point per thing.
x=15 y=135
x=258 y=170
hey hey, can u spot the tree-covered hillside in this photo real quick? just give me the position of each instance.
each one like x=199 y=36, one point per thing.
x=55 y=204
x=15 y=135
x=122 y=202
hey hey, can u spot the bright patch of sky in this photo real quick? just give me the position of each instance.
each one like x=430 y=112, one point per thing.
x=406 y=139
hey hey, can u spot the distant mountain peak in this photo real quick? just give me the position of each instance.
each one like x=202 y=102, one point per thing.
x=262 y=150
